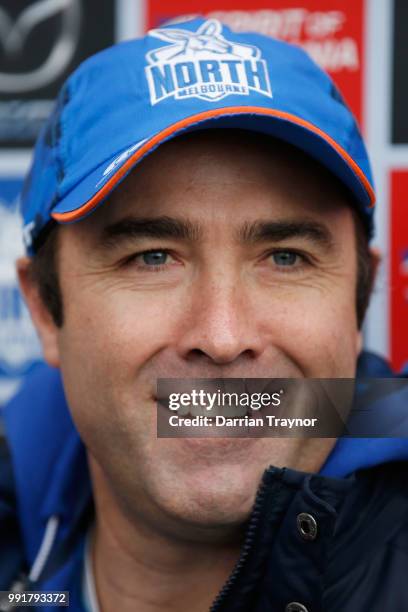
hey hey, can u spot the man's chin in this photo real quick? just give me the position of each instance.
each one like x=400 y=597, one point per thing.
x=209 y=505
x=206 y=522
x=210 y=481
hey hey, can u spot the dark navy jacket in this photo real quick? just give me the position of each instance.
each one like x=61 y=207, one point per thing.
x=334 y=542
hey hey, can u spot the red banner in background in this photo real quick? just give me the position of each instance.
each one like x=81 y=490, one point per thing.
x=399 y=268
x=330 y=30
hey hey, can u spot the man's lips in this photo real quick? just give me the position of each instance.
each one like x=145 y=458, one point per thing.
x=199 y=410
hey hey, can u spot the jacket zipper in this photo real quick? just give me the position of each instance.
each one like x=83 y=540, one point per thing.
x=247 y=546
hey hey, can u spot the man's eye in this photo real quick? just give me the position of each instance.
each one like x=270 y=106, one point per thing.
x=285 y=258
x=152 y=258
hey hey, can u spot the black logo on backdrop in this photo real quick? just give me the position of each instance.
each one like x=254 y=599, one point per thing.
x=41 y=42
x=15 y=33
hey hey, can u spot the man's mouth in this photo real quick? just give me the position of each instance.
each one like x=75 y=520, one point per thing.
x=230 y=410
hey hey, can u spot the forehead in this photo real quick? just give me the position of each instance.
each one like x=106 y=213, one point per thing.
x=223 y=173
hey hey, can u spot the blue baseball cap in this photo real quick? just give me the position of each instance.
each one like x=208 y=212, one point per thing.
x=122 y=103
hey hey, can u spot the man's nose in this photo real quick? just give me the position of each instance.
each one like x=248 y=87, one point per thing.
x=220 y=323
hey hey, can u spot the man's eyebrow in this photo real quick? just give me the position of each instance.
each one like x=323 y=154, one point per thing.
x=168 y=227
x=277 y=231
x=149 y=227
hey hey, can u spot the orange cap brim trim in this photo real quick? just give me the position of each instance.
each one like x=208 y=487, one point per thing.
x=86 y=208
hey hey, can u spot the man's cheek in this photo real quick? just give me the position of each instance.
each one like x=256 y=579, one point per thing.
x=321 y=338
x=117 y=325
x=332 y=349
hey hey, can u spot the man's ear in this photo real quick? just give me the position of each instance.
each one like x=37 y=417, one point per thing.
x=376 y=259
x=40 y=315
x=359 y=342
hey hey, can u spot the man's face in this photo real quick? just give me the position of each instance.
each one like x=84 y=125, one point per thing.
x=219 y=256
